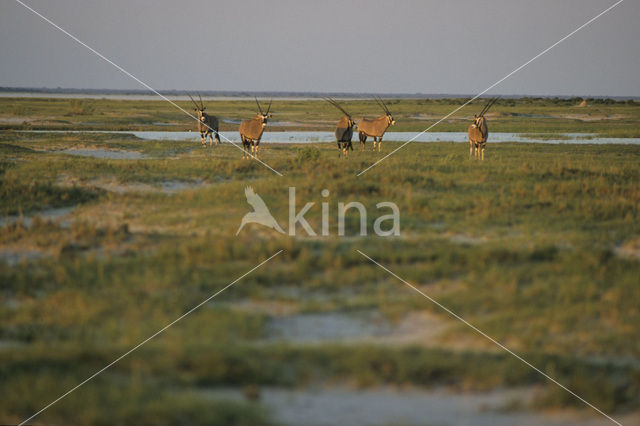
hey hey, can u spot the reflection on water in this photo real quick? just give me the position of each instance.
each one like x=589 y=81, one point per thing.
x=315 y=136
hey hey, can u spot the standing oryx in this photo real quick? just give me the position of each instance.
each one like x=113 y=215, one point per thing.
x=344 y=129
x=251 y=131
x=478 y=131
x=207 y=124
x=376 y=127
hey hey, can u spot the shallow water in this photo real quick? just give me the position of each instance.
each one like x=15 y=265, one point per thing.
x=326 y=137
x=105 y=153
x=52 y=215
x=387 y=405
x=14 y=257
x=321 y=327
x=166 y=187
x=414 y=328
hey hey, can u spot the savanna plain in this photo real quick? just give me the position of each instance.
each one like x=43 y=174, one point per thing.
x=105 y=238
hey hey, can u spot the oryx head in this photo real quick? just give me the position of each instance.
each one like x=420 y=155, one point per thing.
x=199 y=108
x=478 y=121
x=390 y=119
x=264 y=116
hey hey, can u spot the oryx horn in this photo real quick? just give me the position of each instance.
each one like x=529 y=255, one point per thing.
x=194 y=102
x=382 y=104
x=489 y=105
x=259 y=108
x=335 y=104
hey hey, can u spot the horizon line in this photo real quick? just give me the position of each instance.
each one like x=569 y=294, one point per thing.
x=286 y=93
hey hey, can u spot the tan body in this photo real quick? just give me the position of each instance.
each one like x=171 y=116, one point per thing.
x=251 y=132
x=478 y=133
x=374 y=128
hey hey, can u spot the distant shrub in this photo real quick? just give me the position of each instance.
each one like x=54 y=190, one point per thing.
x=309 y=154
x=80 y=107
x=544 y=254
x=19 y=110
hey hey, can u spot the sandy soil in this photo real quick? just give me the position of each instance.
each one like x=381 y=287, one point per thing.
x=630 y=249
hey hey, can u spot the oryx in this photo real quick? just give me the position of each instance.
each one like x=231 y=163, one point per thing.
x=478 y=131
x=344 y=129
x=251 y=130
x=376 y=127
x=207 y=124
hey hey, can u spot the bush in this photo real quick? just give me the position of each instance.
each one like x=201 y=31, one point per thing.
x=309 y=154
x=81 y=107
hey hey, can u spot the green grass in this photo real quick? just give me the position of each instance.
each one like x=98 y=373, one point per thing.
x=121 y=400
x=525 y=245
x=526 y=115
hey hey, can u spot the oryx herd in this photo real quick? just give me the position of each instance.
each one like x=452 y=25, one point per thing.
x=251 y=130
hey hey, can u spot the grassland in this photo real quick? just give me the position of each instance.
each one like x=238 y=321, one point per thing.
x=539 y=246
x=526 y=115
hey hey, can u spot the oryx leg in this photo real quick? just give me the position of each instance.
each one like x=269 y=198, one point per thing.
x=245 y=148
x=379 y=143
x=470 y=148
x=217 y=138
x=203 y=136
x=363 y=139
x=482 y=153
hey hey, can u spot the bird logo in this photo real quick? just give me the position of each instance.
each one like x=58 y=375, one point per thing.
x=260 y=213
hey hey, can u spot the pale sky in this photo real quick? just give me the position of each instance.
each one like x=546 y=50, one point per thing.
x=401 y=46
